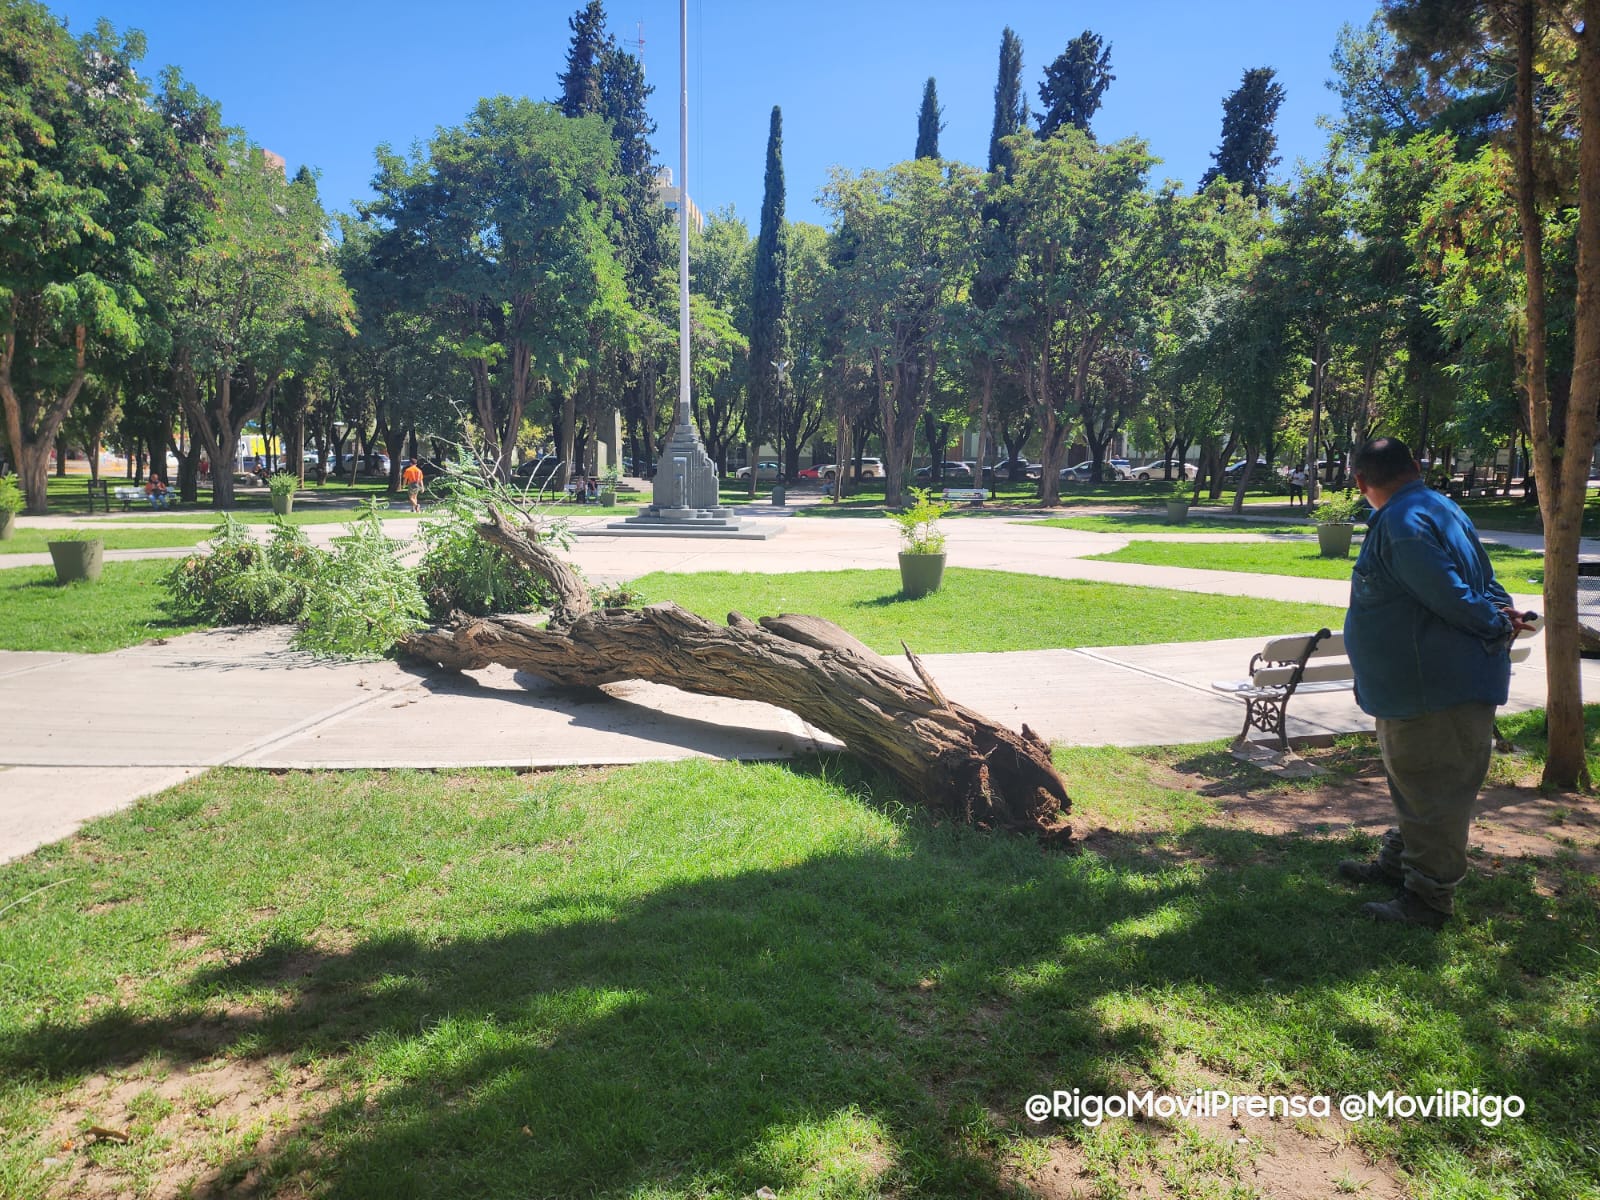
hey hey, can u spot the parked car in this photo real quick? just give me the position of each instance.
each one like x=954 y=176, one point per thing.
x=1083 y=472
x=952 y=470
x=1002 y=470
x=814 y=471
x=1158 y=470
x=1236 y=468
x=765 y=469
x=871 y=468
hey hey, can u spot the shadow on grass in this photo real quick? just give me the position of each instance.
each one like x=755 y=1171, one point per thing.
x=600 y=1044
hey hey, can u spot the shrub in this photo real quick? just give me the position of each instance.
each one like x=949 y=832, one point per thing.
x=919 y=524
x=282 y=484
x=240 y=581
x=1344 y=508
x=11 y=499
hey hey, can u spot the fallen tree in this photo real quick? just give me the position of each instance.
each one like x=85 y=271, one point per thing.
x=946 y=757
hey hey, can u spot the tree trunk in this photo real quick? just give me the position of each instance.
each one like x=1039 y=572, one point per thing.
x=1250 y=453
x=944 y=756
x=1561 y=477
x=983 y=421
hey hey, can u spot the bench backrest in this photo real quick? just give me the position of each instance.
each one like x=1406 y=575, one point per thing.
x=965 y=494
x=1275 y=665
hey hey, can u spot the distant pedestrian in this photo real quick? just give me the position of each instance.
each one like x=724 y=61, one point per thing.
x=411 y=477
x=1297 y=486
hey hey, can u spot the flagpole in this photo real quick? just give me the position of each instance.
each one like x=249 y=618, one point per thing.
x=684 y=415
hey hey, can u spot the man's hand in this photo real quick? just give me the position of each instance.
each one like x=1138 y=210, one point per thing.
x=1521 y=622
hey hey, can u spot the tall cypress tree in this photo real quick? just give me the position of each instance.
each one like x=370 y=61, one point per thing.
x=1074 y=84
x=929 y=122
x=1010 y=102
x=642 y=221
x=1248 y=141
x=580 y=82
x=769 y=340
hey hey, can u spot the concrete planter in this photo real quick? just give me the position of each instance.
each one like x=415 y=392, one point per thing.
x=608 y=496
x=283 y=505
x=1334 y=539
x=921 y=574
x=78 y=560
x=8 y=524
x=1177 y=512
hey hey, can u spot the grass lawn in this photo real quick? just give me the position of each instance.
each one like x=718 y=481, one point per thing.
x=35 y=541
x=868 y=499
x=1510 y=513
x=122 y=609
x=985 y=610
x=339 y=510
x=70 y=496
x=1517 y=570
x=1154 y=522
x=702 y=979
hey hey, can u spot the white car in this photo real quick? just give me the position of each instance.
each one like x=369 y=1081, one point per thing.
x=764 y=470
x=1157 y=470
x=871 y=468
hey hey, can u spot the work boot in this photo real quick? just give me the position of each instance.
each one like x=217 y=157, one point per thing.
x=1354 y=870
x=1407 y=908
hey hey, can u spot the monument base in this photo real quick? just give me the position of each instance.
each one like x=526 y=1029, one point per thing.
x=682 y=522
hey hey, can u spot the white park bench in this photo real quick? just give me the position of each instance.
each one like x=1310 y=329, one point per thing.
x=968 y=495
x=1300 y=664
x=137 y=495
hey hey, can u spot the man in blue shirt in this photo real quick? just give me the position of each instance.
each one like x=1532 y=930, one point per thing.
x=1429 y=633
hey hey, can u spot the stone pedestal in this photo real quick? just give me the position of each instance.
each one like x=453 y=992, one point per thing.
x=685 y=492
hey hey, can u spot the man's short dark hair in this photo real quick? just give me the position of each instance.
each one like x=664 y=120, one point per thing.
x=1384 y=461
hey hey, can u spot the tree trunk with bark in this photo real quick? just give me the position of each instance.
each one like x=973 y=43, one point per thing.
x=944 y=756
x=32 y=425
x=1562 y=476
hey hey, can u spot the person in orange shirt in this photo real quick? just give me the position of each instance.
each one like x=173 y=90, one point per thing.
x=412 y=478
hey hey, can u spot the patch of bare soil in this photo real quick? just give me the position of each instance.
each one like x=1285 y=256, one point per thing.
x=1272 y=1158
x=1511 y=822
x=167 y=1129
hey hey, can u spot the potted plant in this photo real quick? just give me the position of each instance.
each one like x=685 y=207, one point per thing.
x=1336 y=518
x=922 y=544
x=11 y=503
x=282 y=486
x=77 y=554
x=608 y=486
x=1177 y=508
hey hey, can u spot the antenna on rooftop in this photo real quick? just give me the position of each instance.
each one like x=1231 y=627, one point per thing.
x=637 y=45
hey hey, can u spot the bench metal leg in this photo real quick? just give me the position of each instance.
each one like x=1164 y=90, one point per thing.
x=1267 y=716
x=1270 y=715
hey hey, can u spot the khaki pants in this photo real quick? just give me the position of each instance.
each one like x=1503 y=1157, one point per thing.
x=1436 y=764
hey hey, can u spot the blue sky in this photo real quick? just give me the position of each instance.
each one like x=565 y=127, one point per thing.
x=325 y=83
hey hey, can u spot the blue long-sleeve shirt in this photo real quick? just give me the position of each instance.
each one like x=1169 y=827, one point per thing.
x=1425 y=630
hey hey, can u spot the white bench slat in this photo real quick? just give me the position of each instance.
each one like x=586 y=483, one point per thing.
x=1316 y=672
x=1289 y=649
x=1244 y=689
x=1323 y=672
x=965 y=494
